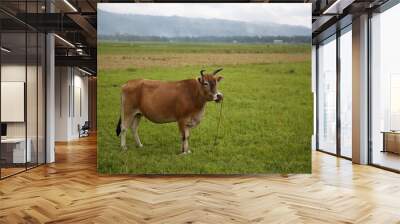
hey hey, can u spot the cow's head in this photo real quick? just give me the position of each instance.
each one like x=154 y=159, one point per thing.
x=209 y=83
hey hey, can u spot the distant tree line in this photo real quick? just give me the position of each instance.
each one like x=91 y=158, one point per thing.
x=231 y=39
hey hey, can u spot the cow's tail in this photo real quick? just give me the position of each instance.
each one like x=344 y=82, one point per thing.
x=118 y=129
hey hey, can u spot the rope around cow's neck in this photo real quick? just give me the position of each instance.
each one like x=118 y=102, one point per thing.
x=219 y=123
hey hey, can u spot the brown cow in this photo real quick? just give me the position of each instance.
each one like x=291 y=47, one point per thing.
x=163 y=102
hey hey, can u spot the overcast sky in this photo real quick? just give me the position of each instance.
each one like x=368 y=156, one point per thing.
x=289 y=13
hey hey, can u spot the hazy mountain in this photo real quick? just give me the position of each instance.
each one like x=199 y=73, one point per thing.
x=175 y=26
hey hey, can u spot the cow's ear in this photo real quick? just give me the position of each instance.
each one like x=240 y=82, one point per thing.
x=220 y=78
x=200 y=80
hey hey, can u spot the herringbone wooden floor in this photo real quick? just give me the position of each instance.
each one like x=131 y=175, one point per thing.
x=70 y=191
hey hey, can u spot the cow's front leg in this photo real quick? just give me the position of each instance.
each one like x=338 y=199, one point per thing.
x=184 y=129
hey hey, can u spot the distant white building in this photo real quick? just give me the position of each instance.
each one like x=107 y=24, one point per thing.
x=278 y=41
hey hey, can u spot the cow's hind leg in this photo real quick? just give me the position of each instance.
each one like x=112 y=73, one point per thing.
x=125 y=124
x=135 y=125
x=127 y=115
x=184 y=129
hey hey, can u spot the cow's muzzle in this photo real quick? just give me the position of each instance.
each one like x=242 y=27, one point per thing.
x=218 y=97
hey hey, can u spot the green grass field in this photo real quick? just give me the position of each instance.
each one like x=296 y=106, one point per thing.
x=267 y=110
x=159 y=48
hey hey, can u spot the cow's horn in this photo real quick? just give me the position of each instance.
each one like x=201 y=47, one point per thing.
x=216 y=71
x=201 y=72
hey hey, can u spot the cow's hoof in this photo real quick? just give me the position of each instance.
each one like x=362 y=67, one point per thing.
x=140 y=146
x=187 y=152
x=124 y=148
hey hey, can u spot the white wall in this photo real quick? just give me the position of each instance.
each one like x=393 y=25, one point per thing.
x=70 y=83
x=79 y=117
x=62 y=81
